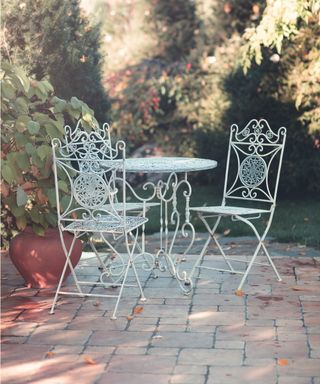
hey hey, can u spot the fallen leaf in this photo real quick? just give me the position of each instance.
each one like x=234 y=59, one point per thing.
x=137 y=310
x=89 y=360
x=50 y=354
x=129 y=317
x=298 y=288
x=97 y=303
x=283 y=362
x=239 y=292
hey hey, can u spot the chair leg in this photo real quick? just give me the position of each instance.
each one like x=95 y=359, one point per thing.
x=114 y=317
x=259 y=246
x=130 y=263
x=248 y=269
x=66 y=264
x=211 y=237
x=271 y=262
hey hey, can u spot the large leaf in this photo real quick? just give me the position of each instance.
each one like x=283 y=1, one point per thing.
x=52 y=130
x=17 y=211
x=22 y=197
x=47 y=85
x=22 y=159
x=22 y=123
x=35 y=215
x=59 y=105
x=21 y=222
x=75 y=102
x=64 y=202
x=42 y=118
x=36 y=160
x=23 y=78
x=33 y=127
x=51 y=219
x=38 y=229
x=21 y=105
x=43 y=151
x=8 y=91
x=63 y=186
x=8 y=174
x=51 y=194
x=29 y=148
x=21 y=139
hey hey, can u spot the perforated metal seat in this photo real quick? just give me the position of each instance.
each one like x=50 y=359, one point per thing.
x=252 y=175
x=106 y=224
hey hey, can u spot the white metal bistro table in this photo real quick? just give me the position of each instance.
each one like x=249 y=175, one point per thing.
x=166 y=190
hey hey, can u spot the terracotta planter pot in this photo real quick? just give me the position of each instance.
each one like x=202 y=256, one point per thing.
x=40 y=259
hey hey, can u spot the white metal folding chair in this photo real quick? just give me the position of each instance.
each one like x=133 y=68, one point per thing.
x=137 y=205
x=250 y=191
x=84 y=165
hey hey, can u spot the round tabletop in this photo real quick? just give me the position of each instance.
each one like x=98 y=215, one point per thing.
x=167 y=164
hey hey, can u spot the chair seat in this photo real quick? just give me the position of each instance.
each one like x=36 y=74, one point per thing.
x=132 y=206
x=229 y=210
x=107 y=224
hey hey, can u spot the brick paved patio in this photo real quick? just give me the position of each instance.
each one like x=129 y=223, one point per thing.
x=269 y=335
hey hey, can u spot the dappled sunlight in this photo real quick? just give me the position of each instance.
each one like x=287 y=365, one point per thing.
x=21 y=371
x=258 y=373
x=53 y=369
x=201 y=315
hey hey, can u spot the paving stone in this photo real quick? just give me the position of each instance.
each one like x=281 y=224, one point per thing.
x=295 y=380
x=191 y=369
x=65 y=337
x=182 y=340
x=119 y=338
x=245 y=333
x=229 y=344
x=210 y=356
x=210 y=336
x=300 y=367
x=142 y=364
x=18 y=328
x=95 y=323
x=242 y=375
x=277 y=349
x=133 y=378
x=214 y=318
x=131 y=350
x=187 y=379
x=155 y=350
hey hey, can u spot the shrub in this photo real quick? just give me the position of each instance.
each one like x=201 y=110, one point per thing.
x=31 y=115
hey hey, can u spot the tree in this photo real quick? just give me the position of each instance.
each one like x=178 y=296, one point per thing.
x=289 y=33
x=53 y=38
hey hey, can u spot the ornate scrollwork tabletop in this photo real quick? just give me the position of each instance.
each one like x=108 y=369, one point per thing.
x=168 y=164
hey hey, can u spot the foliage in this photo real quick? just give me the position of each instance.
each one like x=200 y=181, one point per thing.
x=54 y=38
x=174 y=23
x=280 y=21
x=186 y=101
x=147 y=100
x=31 y=115
x=291 y=29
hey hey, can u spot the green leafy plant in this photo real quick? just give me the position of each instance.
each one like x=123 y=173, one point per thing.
x=31 y=116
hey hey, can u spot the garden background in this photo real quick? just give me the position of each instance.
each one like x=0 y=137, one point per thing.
x=170 y=76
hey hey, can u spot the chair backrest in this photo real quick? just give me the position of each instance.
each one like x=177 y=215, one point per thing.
x=254 y=162
x=86 y=165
